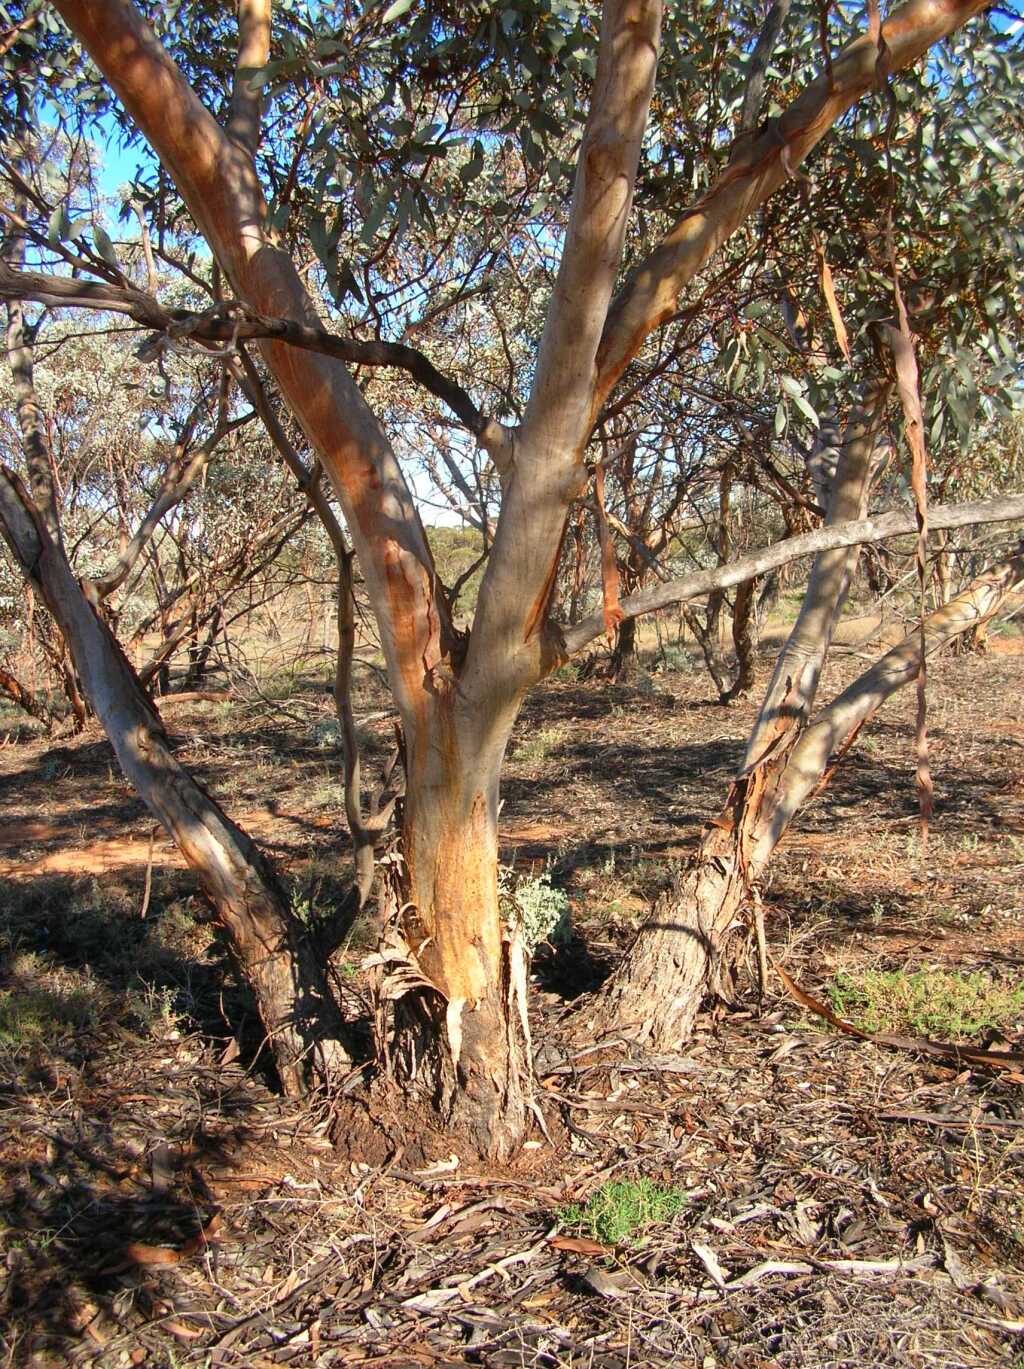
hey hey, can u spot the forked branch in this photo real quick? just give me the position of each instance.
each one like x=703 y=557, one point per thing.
x=648 y=298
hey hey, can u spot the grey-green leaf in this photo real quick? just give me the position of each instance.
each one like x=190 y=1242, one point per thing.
x=59 y=226
x=103 y=245
x=396 y=11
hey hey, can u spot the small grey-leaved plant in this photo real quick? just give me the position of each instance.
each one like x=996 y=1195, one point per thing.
x=540 y=910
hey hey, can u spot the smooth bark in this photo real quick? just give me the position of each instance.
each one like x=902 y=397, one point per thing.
x=794 y=683
x=836 y=726
x=1005 y=509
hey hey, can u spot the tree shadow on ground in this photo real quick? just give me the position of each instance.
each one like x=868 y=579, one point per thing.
x=104 y=1195
x=85 y=938
x=118 y=1094
x=570 y=968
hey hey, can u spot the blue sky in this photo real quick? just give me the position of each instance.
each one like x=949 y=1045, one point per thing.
x=120 y=163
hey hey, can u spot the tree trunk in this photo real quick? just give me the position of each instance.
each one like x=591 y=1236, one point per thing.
x=269 y=946
x=464 y=1039
x=744 y=640
x=199 y=655
x=677 y=957
x=361 y=833
x=706 y=632
x=624 y=660
x=681 y=954
x=943 y=577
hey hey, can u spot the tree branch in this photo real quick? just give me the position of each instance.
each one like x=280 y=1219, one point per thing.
x=834 y=728
x=753 y=91
x=178 y=479
x=253 y=52
x=247 y=378
x=234 y=322
x=218 y=182
x=856 y=533
x=561 y=408
x=648 y=298
x=794 y=684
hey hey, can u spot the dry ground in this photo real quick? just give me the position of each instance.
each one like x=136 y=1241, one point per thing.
x=844 y=1205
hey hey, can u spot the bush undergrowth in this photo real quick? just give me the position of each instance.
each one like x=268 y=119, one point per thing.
x=541 y=910
x=927 y=1002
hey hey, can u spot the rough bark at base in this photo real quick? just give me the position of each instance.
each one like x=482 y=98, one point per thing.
x=473 y=1065
x=680 y=955
x=464 y=1040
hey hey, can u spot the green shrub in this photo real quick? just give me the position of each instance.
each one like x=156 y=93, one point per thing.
x=327 y=735
x=675 y=658
x=927 y=1002
x=621 y=1208
x=31 y=1014
x=539 y=909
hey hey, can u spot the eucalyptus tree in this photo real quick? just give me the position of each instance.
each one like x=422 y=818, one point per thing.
x=164 y=508
x=834 y=386
x=374 y=135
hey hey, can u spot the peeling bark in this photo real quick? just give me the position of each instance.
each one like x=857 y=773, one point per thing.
x=474 y=1061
